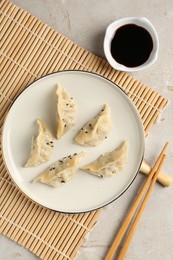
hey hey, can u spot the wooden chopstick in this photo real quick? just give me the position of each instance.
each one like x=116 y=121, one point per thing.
x=129 y=237
x=135 y=205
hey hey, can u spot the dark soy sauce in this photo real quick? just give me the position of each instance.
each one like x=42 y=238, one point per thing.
x=131 y=45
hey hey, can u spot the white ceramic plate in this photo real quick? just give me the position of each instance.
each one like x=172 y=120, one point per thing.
x=84 y=192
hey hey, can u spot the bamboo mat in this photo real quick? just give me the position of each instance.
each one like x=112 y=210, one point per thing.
x=30 y=49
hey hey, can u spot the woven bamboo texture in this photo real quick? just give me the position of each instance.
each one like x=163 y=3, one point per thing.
x=30 y=49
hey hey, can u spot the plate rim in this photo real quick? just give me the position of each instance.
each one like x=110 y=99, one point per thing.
x=137 y=114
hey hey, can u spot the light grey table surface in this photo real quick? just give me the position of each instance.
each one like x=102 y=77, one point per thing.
x=85 y=22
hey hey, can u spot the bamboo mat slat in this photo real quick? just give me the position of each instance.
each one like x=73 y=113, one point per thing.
x=30 y=49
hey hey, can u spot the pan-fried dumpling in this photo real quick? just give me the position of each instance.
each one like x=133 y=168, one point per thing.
x=61 y=171
x=110 y=163
x=42 y=145
x=96 y=130
x=66 y=111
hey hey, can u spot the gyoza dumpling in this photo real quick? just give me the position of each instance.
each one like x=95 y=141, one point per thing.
x=96 y=130
x=66 y=111
x=42 y=145
x=110 y=163
x=61 y=171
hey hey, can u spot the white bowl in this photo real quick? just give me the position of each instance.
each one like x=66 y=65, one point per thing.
x=110 y=32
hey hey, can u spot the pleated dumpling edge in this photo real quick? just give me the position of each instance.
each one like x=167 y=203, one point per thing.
x=110 y=163
x=66 y=111
x=96 y=130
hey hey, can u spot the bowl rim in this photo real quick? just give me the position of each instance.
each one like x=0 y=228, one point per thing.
x=140 y=21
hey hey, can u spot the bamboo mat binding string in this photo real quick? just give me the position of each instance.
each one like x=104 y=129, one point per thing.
x=30 y=49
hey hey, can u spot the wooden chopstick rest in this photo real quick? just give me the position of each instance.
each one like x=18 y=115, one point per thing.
x=162 y=178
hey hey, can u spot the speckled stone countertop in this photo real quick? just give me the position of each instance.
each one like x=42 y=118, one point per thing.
x=85 y=22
